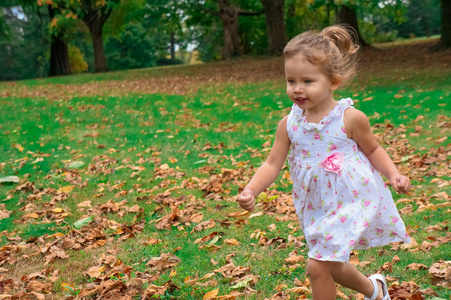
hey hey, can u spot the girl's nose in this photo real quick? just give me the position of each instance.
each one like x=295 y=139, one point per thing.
x=298 y=89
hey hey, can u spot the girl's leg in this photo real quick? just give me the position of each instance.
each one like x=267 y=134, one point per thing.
x=348 y=276
x=320 y=274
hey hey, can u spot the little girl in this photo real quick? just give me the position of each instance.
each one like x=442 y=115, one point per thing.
x=340 y=199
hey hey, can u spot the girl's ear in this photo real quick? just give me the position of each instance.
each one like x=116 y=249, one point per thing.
x=335 y=82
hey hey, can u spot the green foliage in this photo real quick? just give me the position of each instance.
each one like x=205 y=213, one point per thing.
x=133 y=49
x=423 y=19
x=23 y=51
x=76 y=60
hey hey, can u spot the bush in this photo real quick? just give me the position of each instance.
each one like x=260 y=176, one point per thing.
x=168 y=62
x=77 y=60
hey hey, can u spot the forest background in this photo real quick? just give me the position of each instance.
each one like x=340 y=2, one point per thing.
x=40 y=38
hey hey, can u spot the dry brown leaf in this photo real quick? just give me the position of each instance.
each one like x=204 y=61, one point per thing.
x=210 y=295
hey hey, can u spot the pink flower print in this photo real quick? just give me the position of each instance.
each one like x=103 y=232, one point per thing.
x=318 y=256
x=354 y=148
x=343 y=129
x=333 y=163
x=334 y=255
x=333 y=147
x=366 y=224
x=295 y=127
x=343 y=219
x=366 y=203
x=394 y=219
x=362 y=242
x=393 y=234
x=351 y=243
x=329 y=184
x=313 y=242
x=340 y=205
x=328 y=237
x=310 y=206
x=356 y=193
x=366 y=181
x=379 y=231
x=305 y=153
x=317 y=136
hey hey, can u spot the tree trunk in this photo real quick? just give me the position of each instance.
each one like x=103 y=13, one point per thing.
x=172 y=46
x=275 y=25
x=229 y=17
x=59 y=52
x=445 y=39
x=95 y=27
x=347 y=15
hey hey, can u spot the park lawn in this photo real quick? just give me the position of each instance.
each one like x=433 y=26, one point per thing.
x=128 y=181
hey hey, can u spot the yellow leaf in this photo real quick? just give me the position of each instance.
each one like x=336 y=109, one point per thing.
x=32 y=215
x=68 y=287
x=66 y=189
x=18 y=147
x=231 y=242
x=211 y=294
x=57 y=210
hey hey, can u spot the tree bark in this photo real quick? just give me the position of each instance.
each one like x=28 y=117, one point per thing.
x=59 y=52
x=95 y=17
x=229 y=17
x=97 y=43
x=445 y=39
x=347 y=15
x=172 y=46
x=275 y=26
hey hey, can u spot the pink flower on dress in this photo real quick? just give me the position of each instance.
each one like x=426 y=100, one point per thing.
x=329 y=237
x=317 y=136
x=351 y=243
x=356 y=193
x=333 y=163
x=366 y=224
x=318 y=256
x=295 y=127
x=343 y=219
x=366 y=203
x=333 y=147
x=305 y=152
x=343 y=129
x=378 y=230
x=313 y=242
x=394 y=219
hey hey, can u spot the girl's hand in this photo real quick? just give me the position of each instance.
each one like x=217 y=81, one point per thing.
x=400 y=183
x=247 y=200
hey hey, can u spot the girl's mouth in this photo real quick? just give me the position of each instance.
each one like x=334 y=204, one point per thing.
x=300 y=100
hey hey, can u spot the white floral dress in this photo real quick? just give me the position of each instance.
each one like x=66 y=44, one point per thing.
x=341 y=201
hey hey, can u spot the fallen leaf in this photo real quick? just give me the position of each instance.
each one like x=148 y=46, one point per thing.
x=211 y=294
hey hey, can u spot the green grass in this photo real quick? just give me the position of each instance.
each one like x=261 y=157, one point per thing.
x=201 y=134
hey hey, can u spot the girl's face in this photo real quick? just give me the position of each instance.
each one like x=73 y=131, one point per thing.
x=307 y=86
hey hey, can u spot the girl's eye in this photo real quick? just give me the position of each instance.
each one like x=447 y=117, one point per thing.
x=308 y=81
x=290 y=81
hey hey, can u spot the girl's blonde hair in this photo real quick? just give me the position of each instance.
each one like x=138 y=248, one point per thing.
x=333 y=49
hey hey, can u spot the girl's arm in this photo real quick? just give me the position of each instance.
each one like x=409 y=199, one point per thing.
x=269 y=170
x=358 y=128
